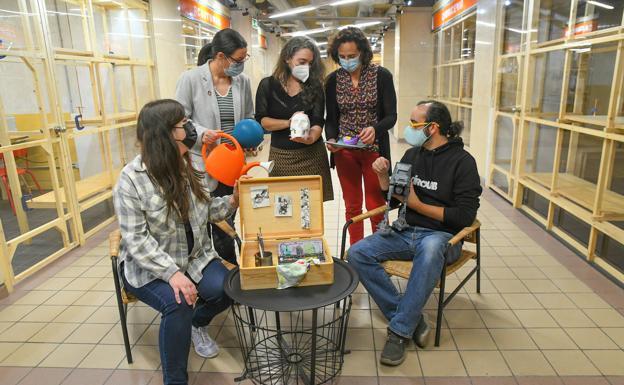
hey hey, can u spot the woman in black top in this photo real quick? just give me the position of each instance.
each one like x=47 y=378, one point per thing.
x=296 y=86
x=361 y=104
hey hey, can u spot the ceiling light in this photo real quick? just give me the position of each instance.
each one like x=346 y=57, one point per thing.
x=308 y=32
x=294 y=11
x=599 y=4
x=320 y=43
x=343 y=2
x=360 y=25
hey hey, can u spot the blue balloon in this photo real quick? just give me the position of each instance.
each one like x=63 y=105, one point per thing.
x=248 y=133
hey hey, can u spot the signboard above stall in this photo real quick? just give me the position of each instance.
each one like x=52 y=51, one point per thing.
x=206 y=11
x=446 y=11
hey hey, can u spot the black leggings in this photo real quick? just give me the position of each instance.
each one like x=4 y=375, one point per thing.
x=223 y=244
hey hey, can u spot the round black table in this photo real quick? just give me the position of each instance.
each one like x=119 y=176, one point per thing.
x=294 y=335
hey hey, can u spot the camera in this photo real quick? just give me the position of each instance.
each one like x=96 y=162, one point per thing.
x=400 y=180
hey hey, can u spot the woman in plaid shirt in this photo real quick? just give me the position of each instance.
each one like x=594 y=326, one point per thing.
x=166 y=257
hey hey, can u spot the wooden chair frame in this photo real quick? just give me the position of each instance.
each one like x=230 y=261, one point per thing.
x=124 y=297
x=403 y=268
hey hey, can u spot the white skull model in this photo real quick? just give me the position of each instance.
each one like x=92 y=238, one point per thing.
x=299 y=126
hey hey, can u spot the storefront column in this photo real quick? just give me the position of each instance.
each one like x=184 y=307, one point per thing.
x=483 y=101
x=387 y=51
x=413 y=62
x=169 y=53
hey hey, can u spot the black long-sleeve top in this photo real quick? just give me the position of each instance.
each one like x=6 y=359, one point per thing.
x=386 y=109
x=445 y=177
x=272 y=101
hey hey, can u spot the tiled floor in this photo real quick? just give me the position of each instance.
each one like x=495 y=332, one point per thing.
x=543 y=317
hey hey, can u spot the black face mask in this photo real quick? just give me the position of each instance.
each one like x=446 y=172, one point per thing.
x=191 y=135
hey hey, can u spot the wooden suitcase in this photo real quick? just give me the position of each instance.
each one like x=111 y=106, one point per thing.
x=278 y=229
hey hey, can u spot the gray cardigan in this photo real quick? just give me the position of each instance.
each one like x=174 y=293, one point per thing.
x=196 y=92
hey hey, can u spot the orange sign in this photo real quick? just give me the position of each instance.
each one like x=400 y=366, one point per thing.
x=197 y=11
x=262 y=41
x=450 y=11
x=582 y=28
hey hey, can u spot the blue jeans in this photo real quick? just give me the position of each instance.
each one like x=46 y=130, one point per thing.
x=174 y=339
x=425 y=248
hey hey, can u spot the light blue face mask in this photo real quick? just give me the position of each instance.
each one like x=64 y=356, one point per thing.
x=234 y=69
x=350 y=65
x=415 y=137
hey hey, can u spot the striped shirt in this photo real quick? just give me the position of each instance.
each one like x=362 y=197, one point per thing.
x=154 y=245
x=226 y=111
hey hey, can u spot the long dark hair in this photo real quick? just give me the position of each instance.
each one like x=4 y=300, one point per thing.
x=172 y=172
x=355 y=35
x=226 y=41
x=313 y=87
x=438 y=112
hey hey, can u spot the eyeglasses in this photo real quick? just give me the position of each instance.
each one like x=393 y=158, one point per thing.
x=239 y=61
x=414 y=124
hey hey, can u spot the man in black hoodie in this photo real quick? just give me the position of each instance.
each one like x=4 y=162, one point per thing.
x=443 y=199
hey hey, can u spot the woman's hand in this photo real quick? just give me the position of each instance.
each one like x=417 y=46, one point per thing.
x=234 y=198
x=367 y=136
x=210 y=136
x=181 y=284
x=311 y=137
x=381 y=166
x=331 y=148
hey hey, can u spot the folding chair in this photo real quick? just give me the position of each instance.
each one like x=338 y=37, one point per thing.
x=124 y=297
x=403 y=269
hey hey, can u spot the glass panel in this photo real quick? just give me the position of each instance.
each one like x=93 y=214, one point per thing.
x=579 y=167
x=504 y=140
x=512 y=37
x=454 y=82
x=16 y=24
x=500 y=180
x=118 y=32
x=436 y=47
x=456 y=42
x=572 y=226
x=509 y=81
x=553 y=19
x=468 y=38
x=590 y=82
x=445 y=83
x=66 y=25
x=536 y=202
x=465 y=116
x=546 y=95
x=435 y=87
x=592 y=17
x=140 y=34
x=446 y=44
x=611 y=251
x=468 y=74
x=540 y=152
x=613 y=201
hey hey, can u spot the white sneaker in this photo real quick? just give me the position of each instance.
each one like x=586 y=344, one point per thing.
x=205 y=346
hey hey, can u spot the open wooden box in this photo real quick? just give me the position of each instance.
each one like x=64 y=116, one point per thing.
x=277 y=229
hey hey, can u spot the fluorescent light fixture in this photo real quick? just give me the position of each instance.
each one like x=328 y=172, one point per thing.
x=483 y=42
x=321 y=43
x=581 y=50
x=599 y=4
x=360 y=25
x=521 y=30
x=294 y=11
x=343 y=2
x=190 y=45
x=308 y=32
x=483 y=23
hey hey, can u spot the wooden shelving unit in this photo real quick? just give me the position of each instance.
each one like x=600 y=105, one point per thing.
x=73 y=64
x=556 y=83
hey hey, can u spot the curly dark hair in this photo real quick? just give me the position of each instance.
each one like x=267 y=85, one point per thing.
x=312 y=89
x=355 y=35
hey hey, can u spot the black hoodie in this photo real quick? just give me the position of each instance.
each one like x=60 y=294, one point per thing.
x=446 y=177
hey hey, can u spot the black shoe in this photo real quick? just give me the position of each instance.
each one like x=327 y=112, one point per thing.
x=423 y=330
x=393 y=353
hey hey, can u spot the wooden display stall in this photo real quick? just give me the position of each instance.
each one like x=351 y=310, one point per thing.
x=570 y=81
x=261 y=211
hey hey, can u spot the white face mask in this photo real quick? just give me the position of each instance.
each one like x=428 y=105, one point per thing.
x=301 y=72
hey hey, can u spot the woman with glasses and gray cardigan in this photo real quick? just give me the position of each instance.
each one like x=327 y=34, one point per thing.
x=216 y=96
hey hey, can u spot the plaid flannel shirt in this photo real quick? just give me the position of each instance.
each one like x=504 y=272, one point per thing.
x=153 y=246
